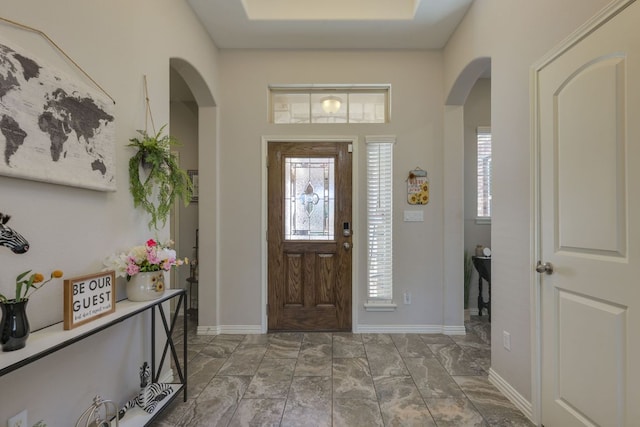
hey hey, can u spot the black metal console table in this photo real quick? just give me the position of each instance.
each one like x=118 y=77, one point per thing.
x=483 y=266
x=48 y=340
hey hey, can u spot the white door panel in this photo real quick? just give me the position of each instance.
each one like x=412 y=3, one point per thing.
x=588 y=123
x=589 y=152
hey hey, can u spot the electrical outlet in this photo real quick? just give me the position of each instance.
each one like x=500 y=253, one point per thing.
x=506 y=340
x=19 y=420
x=407 y=298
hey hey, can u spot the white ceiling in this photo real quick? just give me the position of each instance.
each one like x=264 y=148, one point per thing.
x=330 y=24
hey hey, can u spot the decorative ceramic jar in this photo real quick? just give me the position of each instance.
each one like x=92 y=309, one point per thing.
x=479 y=250
x=15 y=325
x=146 y=286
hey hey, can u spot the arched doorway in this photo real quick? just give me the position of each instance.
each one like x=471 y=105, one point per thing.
x=193 y=118
x=454 y=131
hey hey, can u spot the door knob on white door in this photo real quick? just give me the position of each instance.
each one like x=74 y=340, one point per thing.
x=547 y=267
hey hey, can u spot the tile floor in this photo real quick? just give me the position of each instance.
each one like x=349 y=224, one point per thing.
x=341 y=379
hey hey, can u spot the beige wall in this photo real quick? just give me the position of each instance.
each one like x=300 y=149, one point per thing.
x=417 y=98
x=74 y=229
x=514 y=34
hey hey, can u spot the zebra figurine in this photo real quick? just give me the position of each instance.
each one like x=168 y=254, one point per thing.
x=150 y=394
x=11 y=238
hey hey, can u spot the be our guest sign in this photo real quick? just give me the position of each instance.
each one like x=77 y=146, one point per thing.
x=89 y=297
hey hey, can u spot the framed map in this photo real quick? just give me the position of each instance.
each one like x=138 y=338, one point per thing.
x=53 y=128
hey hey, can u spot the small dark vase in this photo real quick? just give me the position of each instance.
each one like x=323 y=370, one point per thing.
x=15 y=325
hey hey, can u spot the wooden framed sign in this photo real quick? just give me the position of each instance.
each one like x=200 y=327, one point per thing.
x=89 y=297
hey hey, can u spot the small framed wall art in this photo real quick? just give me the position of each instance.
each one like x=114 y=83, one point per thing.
x=88 y=298
x=193 y=175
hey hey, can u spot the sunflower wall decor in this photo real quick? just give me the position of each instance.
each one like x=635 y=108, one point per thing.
x=418 y=187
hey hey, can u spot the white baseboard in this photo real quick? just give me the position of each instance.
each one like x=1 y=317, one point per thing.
x=410 y=329
x=229 y=330
x=207 y=330
x=454 y=330
x=511 y=393
x=360 y=329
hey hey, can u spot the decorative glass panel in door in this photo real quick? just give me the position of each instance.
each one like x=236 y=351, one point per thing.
x=309 y=198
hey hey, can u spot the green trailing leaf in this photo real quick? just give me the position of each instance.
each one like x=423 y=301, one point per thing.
x=165 y=181
x=20 y=282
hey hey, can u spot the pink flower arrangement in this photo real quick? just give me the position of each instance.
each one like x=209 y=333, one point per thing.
x=151 y=256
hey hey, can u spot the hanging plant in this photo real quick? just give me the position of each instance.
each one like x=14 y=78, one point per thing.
x=163 y=180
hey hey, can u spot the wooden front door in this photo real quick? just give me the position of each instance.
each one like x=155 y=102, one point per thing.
x=589 y=139
x=309 y=236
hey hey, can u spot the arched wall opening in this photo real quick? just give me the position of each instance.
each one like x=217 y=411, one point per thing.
x=476 y=69
x=193 y=113
x=454 y=136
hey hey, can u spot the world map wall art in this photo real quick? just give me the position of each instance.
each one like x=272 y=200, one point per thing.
x=53 y=128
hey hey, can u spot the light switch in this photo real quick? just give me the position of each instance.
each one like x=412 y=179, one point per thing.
x=413 y=216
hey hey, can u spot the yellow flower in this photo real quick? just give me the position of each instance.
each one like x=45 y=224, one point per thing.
x=26 y=284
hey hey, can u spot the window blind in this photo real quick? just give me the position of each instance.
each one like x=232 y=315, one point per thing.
x=379 y=219
x=484 y=172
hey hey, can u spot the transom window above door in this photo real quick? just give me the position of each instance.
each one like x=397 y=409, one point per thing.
x=329 y=104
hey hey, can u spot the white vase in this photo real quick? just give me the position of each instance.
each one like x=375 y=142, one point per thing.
x=146 y=286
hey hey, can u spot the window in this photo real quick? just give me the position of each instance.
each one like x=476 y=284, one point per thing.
x=484 y=173
x=329 y=104
x=379 y=222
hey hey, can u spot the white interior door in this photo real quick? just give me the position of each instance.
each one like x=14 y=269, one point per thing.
x=588 y=124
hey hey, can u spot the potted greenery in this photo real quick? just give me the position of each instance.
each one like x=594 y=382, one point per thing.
x=163 y=180
x=468 y=269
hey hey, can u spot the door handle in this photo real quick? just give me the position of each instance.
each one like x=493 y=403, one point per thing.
x=547 y=267
x=347 y=245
